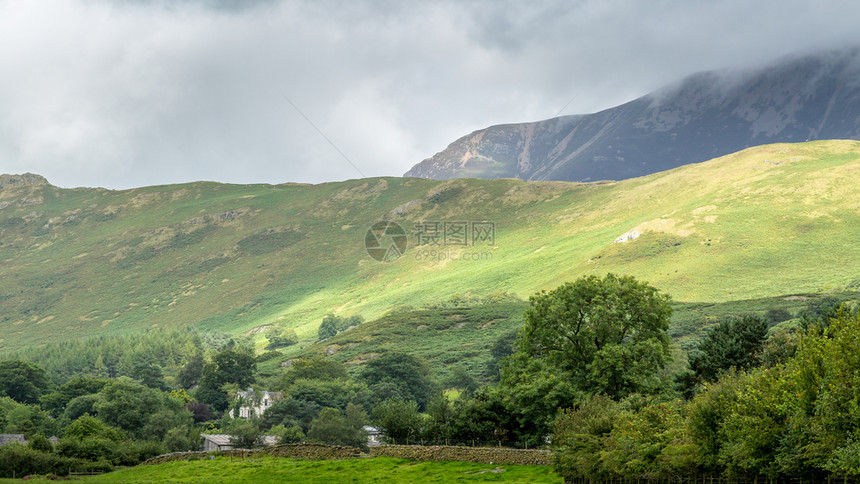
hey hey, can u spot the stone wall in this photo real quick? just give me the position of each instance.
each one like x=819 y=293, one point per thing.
x=484 y=455
x=295 y=451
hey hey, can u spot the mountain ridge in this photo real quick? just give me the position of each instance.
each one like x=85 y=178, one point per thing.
x=705 y=115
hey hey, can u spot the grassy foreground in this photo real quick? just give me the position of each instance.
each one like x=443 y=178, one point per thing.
x=275 y=469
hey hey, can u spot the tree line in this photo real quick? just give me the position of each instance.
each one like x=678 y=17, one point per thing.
x=588 y=375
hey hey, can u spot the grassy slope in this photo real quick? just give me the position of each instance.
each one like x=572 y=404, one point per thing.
x=767 y=221
x=273 y=469
x=445 y=338
x=448 y=338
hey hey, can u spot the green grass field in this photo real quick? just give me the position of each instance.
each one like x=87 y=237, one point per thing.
x=765 y=222
x=275 y=469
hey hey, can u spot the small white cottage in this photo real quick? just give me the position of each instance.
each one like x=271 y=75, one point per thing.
x=254 y=404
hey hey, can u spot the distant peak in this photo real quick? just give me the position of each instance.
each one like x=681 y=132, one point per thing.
x=25 y=180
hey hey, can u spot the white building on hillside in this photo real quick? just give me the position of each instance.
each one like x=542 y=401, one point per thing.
x=254 y=404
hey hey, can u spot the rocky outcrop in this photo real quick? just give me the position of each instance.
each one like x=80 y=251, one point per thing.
x=704 y=116
x=27 y=179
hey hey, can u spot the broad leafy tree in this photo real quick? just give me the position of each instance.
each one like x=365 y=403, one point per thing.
x=402 y=373
x=234 y=366
x=329 y=326
x=290 y=412
x=398 y=420
x=56 y=401
x=607 y=336
x=335 y=427
x=245 y=434
x=22 y=381
x=128 y=405
x=189 y=375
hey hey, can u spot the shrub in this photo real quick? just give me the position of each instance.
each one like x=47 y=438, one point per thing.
x=41 y=443
x=19 y=461
x=91 y=449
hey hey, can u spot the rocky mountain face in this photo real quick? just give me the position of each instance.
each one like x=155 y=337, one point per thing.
x=25 y=180
x=704 y=116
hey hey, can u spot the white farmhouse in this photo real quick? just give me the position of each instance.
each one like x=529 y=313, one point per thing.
x=254 y=404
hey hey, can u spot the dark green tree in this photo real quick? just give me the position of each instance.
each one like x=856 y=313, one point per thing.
x=440 y=414
x=56 y=401
x=128 y=405
x=288 y=435
x=332 y=393
x=245 y=434
x=734 y=343
x=398 y=420
x=502 y=347
x=149 y=374
x=776 y=315
x=291 y=411
x=162 y=421
x=81 y=405
x=210 y=392
x=332 y=325
x=279 y=337
x=190 y=374
x=606 y=336
x=530 y=394
x=87 y=426
x=234 y=366
x=22 y=381
x=329 y=327
x=408 y=374
x=349 y=322
x=461 y=379
x=21 y=418
x=334 y=427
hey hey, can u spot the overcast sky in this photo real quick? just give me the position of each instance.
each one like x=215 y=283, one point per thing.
x=130 y=93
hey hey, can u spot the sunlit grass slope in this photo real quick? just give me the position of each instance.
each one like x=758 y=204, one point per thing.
x=768 y=221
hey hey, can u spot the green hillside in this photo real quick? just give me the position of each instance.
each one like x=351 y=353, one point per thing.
x=768 y=221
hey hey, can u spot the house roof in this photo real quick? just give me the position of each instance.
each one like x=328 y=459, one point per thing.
x=270 y=439
x=247 y=395
x=223 y=440
x=10 y=438
x=218 y=439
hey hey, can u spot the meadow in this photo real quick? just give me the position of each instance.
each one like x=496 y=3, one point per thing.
x=766 y=222
x=275 y=469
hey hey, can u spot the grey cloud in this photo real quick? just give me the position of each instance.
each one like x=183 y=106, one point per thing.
x=127 y=93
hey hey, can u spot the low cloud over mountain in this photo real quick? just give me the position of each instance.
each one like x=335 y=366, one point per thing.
x=706 y=115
